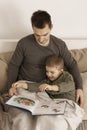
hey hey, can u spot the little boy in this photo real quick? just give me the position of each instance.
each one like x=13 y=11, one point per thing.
x=59 y=83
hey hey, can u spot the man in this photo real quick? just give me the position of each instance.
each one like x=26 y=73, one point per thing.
x=28 y=61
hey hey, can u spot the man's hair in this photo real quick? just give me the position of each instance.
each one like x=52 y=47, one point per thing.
x=53 y=61
x=40 y=18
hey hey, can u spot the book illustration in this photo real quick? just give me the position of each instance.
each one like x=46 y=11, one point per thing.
x=55 y=110
x=44 y=106
x=24 y=101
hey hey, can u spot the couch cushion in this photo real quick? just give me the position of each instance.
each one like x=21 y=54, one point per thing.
x=81 y=57
x=84 y=78
x=3 y=74
x=6 y=56
x=4 y=60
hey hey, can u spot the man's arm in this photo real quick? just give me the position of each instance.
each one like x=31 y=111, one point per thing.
x=14 y=65
x=72 y=67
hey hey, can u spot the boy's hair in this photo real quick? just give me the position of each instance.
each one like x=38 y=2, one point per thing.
x=53 y=61
x=40 y=18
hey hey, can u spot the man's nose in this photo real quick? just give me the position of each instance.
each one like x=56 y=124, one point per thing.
x=41 y=38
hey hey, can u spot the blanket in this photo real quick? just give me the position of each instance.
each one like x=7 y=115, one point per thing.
x=18 y=119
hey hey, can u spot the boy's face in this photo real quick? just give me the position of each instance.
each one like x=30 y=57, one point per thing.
x=53 y=72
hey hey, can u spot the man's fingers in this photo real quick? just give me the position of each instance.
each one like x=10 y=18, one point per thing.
x=77 y=98
x=15 y=85
x=13 y=91
x=80 y=97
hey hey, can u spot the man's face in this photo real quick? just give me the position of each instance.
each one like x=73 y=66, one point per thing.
x=53 y=72
x=42 y=35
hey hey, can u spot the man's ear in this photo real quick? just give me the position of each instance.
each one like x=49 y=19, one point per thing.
x=51 y=26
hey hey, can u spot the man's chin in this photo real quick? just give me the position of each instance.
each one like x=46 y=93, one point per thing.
x=43 y=43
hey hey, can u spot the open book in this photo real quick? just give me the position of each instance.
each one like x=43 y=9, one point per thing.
x=36 y=106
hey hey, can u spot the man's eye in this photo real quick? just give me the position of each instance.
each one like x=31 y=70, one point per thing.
x=45 y=34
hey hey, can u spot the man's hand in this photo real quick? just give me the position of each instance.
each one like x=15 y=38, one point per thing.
x=19 y=85
x=80 y=97
x=13 y=91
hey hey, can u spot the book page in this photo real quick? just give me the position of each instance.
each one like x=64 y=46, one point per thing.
x=22 y=102
x=38 y=104
x=50 y=107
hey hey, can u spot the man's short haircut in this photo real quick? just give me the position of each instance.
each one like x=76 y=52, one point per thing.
x=53 y=61
x=40 y=18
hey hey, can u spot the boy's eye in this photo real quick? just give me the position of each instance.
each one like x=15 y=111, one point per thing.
x=52 y=72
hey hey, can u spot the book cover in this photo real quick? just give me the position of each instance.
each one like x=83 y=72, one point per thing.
x=36 y=106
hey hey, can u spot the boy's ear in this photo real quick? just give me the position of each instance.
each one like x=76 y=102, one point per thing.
x=62 y=70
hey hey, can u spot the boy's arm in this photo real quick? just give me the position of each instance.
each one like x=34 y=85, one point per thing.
x=34 y=87
x=30 y=86
x=46 y=86
x=66 y=84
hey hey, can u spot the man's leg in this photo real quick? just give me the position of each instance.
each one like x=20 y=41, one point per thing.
x=20 y=119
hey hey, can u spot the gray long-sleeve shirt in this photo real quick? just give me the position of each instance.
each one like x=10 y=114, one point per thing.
x=28 y=60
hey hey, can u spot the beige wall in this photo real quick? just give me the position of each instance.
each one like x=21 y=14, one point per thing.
x=69 y=19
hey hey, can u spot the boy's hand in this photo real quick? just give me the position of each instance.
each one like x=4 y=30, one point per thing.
x=44 y=87
x=55 y=88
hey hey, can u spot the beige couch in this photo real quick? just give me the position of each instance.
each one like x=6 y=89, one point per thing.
x=79 y=54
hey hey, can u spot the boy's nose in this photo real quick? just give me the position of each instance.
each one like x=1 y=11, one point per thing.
x=49 y=75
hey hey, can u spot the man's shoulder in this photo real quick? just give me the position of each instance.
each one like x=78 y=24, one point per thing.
x=27 y=38
x=26 y=41
x=57 y=40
